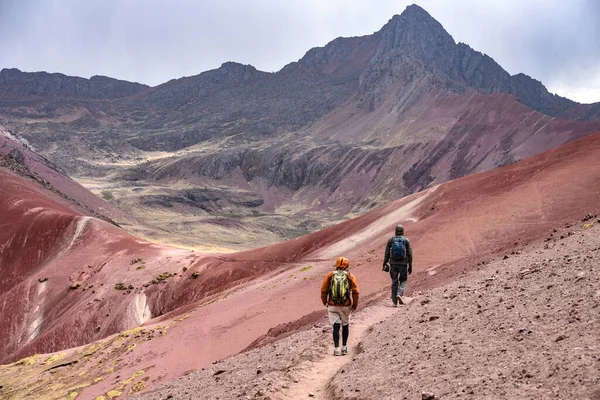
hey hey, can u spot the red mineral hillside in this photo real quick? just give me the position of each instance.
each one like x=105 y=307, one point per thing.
x=248 y=298
x=48 y=173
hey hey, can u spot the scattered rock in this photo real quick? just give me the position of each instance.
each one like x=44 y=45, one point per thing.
x=311 y=394
x=17 y=156
x=427 y=396
x=589 y=216
x=560 y=337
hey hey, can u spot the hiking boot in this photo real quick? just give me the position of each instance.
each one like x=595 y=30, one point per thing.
x=344 y=350
x=399 y=299
x=395 y=304
x=337 y=351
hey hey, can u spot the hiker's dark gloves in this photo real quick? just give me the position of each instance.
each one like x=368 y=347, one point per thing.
x=386 y=268
x=410 y=269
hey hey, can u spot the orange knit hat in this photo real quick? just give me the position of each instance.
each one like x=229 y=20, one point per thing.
x=342 y=262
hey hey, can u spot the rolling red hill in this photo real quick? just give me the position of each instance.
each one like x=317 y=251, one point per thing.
x=61 y=267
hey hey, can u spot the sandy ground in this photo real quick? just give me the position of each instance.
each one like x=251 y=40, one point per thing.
x=521 y=327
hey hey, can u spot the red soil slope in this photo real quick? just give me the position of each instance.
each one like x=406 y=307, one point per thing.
x=59 y=181
x=452 y=227
x=51 y=257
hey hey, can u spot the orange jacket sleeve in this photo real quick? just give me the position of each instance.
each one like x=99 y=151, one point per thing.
x=354 y=289
x=325 y=288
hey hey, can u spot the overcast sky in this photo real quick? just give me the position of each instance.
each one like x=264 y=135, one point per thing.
x=153 y=41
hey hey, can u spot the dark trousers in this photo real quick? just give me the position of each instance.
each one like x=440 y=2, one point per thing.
x=399 y=275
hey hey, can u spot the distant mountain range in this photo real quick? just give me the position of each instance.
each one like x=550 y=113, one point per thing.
x=348 y=127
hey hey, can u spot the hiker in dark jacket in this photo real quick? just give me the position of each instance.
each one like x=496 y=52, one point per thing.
x=399 y=268
x=339 y=309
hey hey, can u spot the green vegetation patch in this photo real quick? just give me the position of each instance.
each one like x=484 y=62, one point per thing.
x=122 y=286
x=107 y=195
x=162 y=277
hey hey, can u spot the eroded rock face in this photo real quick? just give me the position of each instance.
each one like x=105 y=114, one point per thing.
x=290 y=167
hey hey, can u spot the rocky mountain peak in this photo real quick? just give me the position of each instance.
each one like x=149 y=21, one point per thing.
x=417 y=34
x=235 y=71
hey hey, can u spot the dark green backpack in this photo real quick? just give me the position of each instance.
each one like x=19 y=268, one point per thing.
x=339 y=287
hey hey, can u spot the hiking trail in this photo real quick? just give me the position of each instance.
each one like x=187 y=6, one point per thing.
x=314 y=376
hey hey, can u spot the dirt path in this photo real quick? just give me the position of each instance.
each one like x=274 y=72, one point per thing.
x=314 y=376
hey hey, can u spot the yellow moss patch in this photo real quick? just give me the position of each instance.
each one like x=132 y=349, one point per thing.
x=99 y=379
x=113 y=393
x=82 y=373
x=28 y=360
x=110 y=371
x=54 y=358
x=92 y=349
x=176 y=320
x=56 y=386
x=79 y=387
x=162 y=329
x=138 y=387
x=100 y=398
x=72 y=395
x=128 y=333
x=131 y=347
x=132 y=378
x=586 y=226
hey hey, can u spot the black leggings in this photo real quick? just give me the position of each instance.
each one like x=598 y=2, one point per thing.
x=336 y=334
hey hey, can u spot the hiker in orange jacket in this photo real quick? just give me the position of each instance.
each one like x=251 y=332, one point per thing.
x=339 y=293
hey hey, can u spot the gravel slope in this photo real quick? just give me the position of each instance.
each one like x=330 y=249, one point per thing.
x=525 y=326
